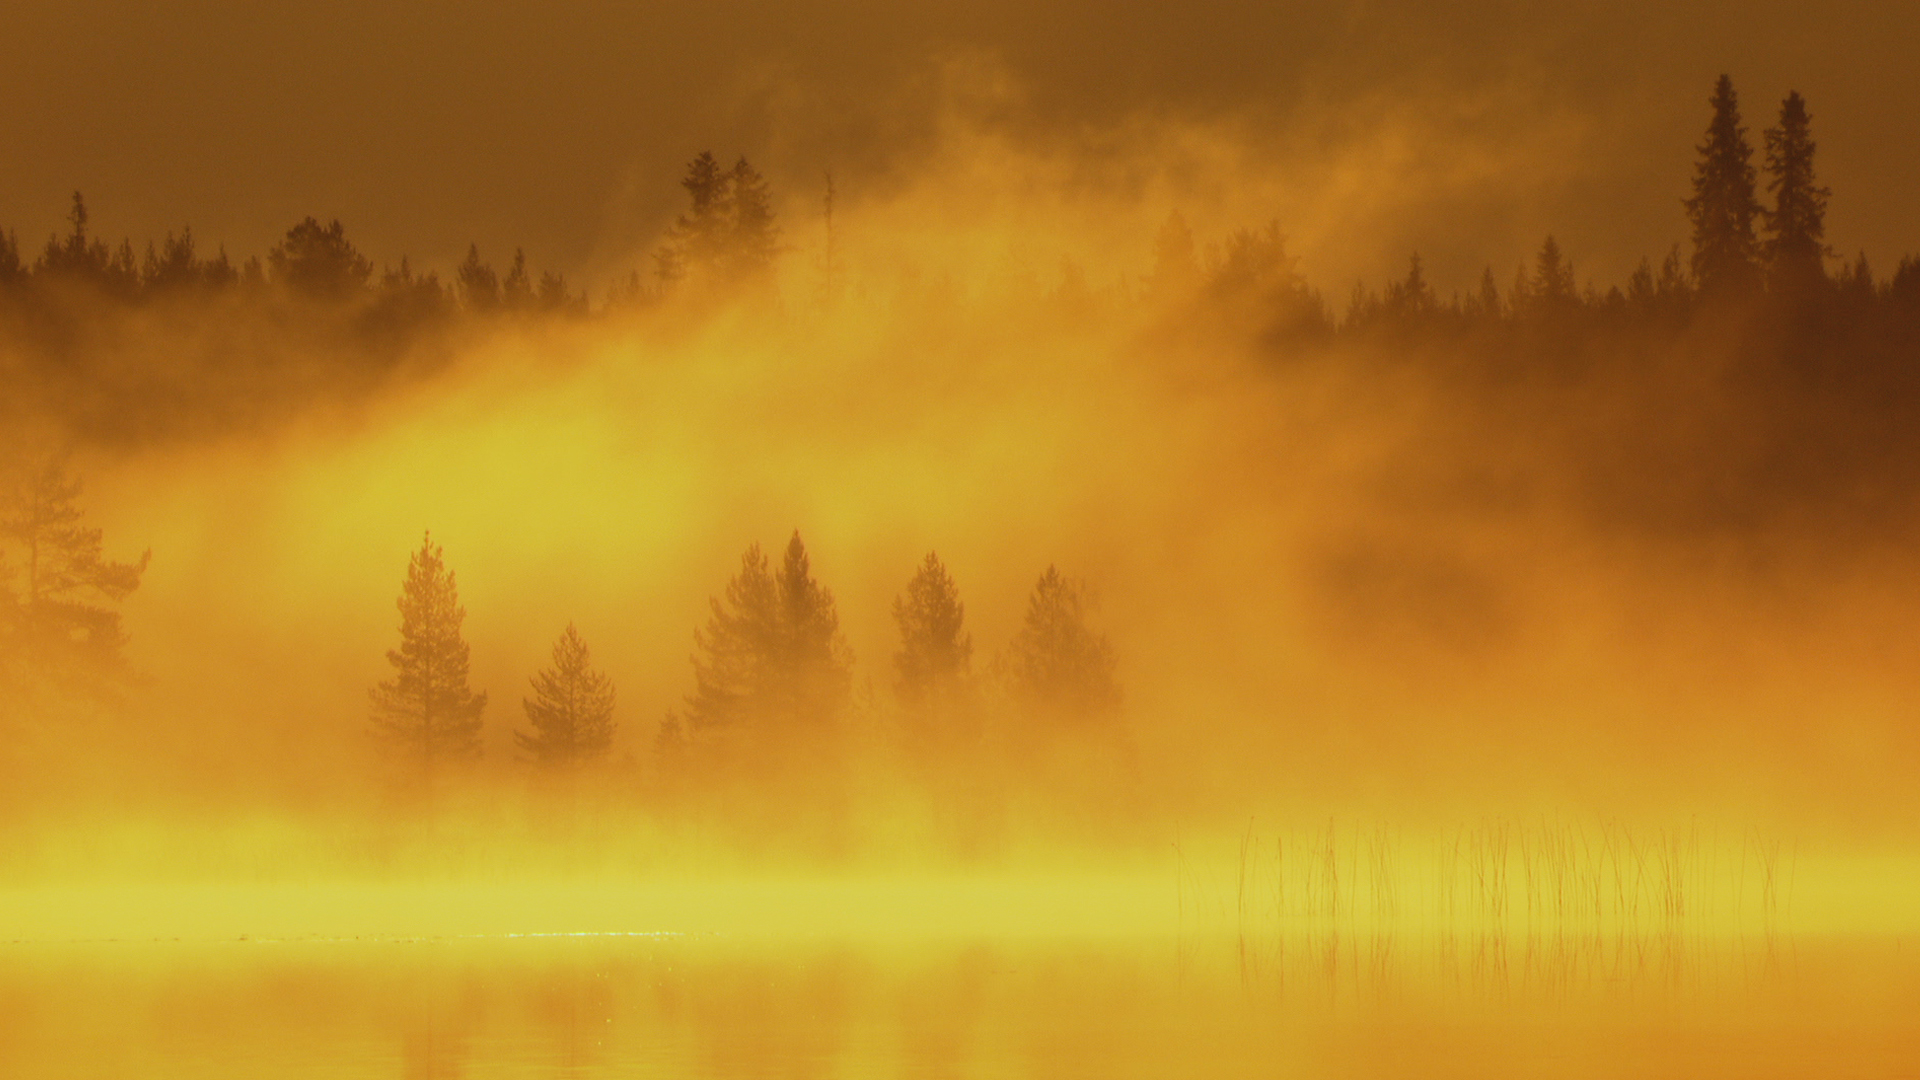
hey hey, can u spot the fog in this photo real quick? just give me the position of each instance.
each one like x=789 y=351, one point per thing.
x=1417 y=576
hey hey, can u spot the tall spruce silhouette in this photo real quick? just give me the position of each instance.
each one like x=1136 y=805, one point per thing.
x=936 y=652
x=727 y=234
x=1722 y=208
x=770 y=667
x=1057 y=661
x=1796 y=247
x=319 y=262
x=476 y=283
x=571 y=710
x=754 y=237
x=698 y=234
x=426 y=710
x=1553 y=281
x=60 y=617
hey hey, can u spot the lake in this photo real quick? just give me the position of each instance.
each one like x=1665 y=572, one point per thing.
x=827 y=988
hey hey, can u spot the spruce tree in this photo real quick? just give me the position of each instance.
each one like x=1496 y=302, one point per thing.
x=78 y=257
x=11 y=269
x=770 y=664
x=755 y=238
x=1796 y=246
x=1722 y=208
x=318 y=261
x=1057 y=661
x=1485 y=301
x=571 y=710
x=426 y=709
x=814 y=669
x=733 y=652
x=698 y=234
x=516 y=288
x=1176 y=264
x=476 y=283
x=1553 y=283
x=59 y=617
x=936 y=652
x=1410 y=297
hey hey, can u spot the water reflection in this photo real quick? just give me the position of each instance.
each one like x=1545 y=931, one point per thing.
x=1327 y=1004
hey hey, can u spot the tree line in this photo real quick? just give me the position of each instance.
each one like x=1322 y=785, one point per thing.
x=728 y=233
x=1745 y=251
x=728 y=236
x=772 y=677
x=1756 y=248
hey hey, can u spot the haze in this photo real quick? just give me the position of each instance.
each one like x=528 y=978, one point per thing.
x=1348 y=393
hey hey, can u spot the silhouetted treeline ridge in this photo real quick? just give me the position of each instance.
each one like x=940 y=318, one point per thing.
x=111 y=345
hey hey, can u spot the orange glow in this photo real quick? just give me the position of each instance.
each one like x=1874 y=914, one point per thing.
x=1491 y=673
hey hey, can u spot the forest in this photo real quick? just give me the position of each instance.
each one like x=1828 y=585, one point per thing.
x=1747 y=383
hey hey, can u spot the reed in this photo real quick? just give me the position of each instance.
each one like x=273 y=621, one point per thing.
x=1543 y=877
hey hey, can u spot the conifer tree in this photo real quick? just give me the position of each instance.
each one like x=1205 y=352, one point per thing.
x=1796 y=246
x=571 y=710
x=426 y=709
x=516 y=288
x=814 y=670
x=1485 y=300
x=1722 y=208
x=174 y=266
x=755 y=238
x=77 y=257
x=1553 y=283
x=1176 y=264
x=1057 y=661
x=734 y=651
x=318 y=261
x=58 y=616
x=770 y=664
x=11 y=269
x=476 y=282
x=1520 y=293
x=1673 y=286
x=698 y=235
x=936 y=652
x=1410 y=297
x=1640 y=288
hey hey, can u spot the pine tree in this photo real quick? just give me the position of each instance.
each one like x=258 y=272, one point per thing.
x=733 y=652
x=1176 y=265
x=426 y=709
x=1056 y=661
x=78 y=257
x=477 y=284
x=770 y=664
x=813 y=671
x=58 y=618
x=1410 y=297
x=698 y=235
x=1553 y=282
x=936 y=652
x=1796 y=248
x=1485 y=301
x=1722 y=207
x=318 y=261
x=1640 y=287
x=516 y=288
x=174 y=266
x=755 y=238
x=571 y=710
